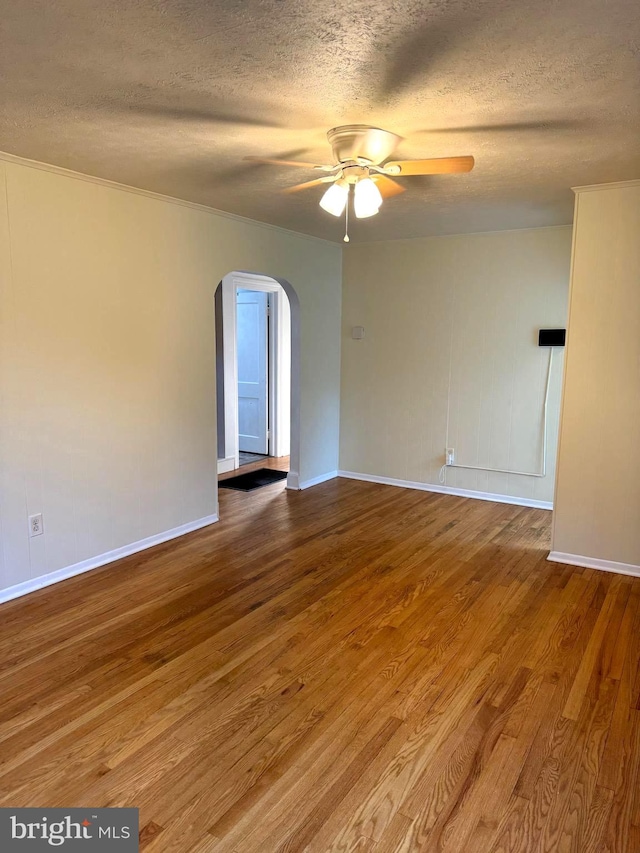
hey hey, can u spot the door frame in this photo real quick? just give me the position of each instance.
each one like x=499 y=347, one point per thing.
x=254 y=386
x=279 y=365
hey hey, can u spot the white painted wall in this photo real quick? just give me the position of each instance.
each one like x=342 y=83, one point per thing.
x=107 y=361
x=597 y=509
x=451 y=326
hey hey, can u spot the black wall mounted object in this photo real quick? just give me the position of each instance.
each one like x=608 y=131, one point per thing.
x=551 y=337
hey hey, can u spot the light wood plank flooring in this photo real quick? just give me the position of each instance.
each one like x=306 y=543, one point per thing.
x=350 y=668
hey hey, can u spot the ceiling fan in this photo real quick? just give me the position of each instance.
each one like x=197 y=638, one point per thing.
x=359 y=152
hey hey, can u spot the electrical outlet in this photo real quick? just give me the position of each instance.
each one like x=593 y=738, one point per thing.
x=449 y=455
x=35 y=525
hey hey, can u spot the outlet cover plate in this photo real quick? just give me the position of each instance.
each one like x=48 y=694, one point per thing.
x=36 y=527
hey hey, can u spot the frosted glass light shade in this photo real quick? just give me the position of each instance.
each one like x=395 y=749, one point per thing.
x=335 y=198
x=367 y=198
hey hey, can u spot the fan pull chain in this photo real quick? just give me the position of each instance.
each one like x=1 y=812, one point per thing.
x=346 y=219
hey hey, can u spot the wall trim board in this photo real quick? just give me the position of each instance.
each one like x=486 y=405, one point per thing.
x=225 y=466
x=576 y=205
x=34 y=584
x=447 y=490
x=293 y=481
x=323 y=478
x=588 y=188
x=105 y=182
x=593 y=563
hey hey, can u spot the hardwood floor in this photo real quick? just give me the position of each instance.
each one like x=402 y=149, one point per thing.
x=280 y=463
x=351 y=668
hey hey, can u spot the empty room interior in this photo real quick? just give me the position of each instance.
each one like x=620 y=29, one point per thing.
x=320 y=426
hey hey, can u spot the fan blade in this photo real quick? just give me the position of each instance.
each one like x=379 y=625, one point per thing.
x=307 y=184
x=274 y=162
x=438 y=166
x=509 y=127
x=387 y=186
x=424 y=48
x=197 y=116
x=245 y=171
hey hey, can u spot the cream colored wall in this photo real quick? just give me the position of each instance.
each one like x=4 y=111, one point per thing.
x=451 y=326
x=598 y=491
x=107 y=371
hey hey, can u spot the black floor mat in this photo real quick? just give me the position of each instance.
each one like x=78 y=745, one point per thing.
x=252 y=480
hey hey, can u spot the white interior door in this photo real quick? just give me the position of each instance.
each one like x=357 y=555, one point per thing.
x=253 y=370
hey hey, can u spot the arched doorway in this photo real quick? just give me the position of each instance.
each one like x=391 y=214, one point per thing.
x=226 y=367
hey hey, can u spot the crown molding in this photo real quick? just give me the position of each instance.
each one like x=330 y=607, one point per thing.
x=194 y=205
x=590 y=188
x=369 y=243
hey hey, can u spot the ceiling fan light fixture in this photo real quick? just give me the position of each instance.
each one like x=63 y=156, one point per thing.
x=367 y=198
x=359 y=150
x=335 y=198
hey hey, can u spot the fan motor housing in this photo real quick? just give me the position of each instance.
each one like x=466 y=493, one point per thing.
x=353 y=142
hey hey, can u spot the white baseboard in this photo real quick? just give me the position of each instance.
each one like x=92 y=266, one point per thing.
x=226 y=465
x=293 y=481
x=592 y=563
x=317 y=480
x=103 y=559
x=447 y=490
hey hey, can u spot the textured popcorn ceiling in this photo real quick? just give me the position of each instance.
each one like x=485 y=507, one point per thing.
x=169 y=96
